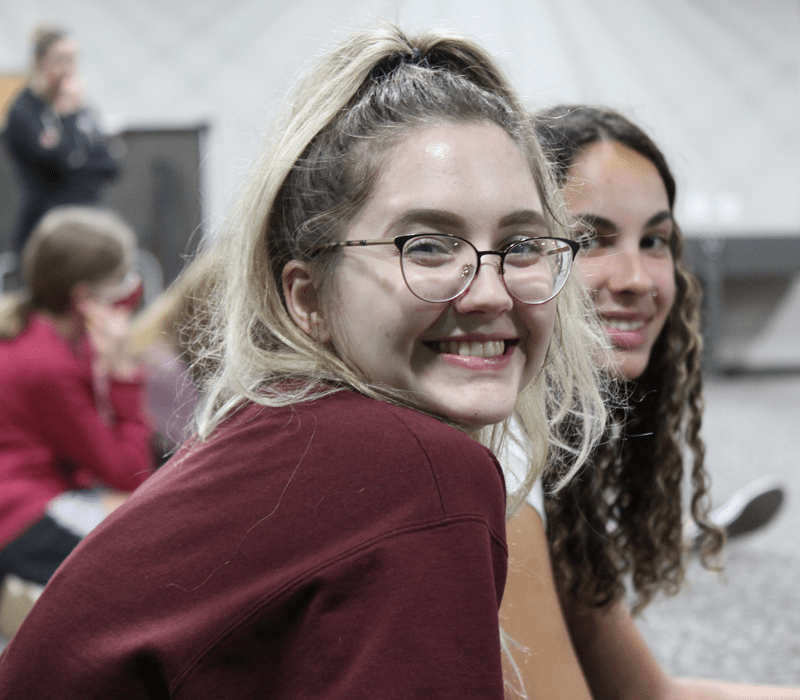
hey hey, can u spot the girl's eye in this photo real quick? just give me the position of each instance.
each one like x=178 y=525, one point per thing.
x=588 y=242
x=658 y=241
x=430 y=251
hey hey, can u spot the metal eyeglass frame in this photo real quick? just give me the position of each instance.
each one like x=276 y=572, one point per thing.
x=401 y=241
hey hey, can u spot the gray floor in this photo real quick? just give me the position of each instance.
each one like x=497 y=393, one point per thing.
x=744 y=626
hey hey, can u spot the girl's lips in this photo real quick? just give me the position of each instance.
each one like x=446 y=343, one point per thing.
x=472 y=348
x=464 y=348
x=488 y=355
x=626 y=334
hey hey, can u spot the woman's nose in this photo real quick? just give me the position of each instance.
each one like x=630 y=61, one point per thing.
x=487 y=292
x=627 y=272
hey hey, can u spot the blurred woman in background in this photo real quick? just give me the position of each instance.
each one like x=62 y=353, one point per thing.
x=71 y=402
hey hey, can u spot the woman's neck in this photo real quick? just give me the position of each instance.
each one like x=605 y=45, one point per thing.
x=69 y=326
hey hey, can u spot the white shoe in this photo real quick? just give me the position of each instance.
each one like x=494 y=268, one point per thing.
x=747 y=510
x=750 y=508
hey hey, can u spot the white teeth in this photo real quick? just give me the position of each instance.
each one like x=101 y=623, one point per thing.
x=624 y=326
x=493 y=348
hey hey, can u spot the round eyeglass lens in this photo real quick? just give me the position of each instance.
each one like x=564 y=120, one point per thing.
x=536 y=269
x=438 y=268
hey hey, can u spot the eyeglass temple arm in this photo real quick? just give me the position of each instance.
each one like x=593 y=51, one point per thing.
x=574 y=246
x=349 y=244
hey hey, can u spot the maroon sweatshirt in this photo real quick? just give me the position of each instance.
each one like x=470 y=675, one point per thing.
x=345 y=548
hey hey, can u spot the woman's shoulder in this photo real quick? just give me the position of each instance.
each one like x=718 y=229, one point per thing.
x=349 y=417
x=398 y=430
x=38 y=347
x=27 y=106
x=390 y=451
x=467 y=475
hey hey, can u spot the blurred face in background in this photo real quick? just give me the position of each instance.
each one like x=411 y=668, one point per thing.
x=619 y=198
x=60 y=62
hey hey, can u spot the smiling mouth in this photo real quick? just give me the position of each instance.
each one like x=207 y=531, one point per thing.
x=491 y=348
x=619 y=324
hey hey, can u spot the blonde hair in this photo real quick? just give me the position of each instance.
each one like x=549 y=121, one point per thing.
x=69 y=245
x=180 y=317
x=313 y=177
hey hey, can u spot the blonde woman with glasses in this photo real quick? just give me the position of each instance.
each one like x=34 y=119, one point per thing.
x=394 y=288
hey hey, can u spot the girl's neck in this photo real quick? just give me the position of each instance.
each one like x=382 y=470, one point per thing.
x=69 y=326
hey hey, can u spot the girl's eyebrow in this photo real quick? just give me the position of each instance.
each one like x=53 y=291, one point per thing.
x=524 y=217
x=659 y=218
x=439 y=217
x=433 y=217
x=595 y=220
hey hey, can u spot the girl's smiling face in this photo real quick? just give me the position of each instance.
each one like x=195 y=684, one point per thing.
x=466 y=359
x=619 y=196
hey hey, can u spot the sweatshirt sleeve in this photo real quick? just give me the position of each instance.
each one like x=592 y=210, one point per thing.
x=41 y=138
x=56 y=143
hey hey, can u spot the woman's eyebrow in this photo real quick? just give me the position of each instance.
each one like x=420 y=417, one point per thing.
x=659 y=218
x=446 y=219
x=524 y=217
x=595 y=221
x=433 y=217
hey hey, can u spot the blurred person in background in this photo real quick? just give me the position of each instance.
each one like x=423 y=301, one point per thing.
x=55 y=142
x=71 y=400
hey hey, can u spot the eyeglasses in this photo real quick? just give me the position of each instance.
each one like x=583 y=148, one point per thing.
x=127 y=293
x=438 y=267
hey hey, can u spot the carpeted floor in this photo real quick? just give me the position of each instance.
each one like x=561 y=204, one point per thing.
x=744 y=626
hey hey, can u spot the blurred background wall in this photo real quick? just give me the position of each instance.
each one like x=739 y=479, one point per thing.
x=716 y=82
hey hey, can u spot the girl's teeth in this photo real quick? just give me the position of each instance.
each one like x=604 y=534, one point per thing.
x=491 y=349
x=625 y=326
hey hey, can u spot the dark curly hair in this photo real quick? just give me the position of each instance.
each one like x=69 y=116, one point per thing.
x=623 y=516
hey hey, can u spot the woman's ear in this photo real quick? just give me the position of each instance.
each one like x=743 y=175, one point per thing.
x=302 y=301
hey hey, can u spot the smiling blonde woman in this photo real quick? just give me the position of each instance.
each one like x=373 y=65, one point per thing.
x=394 y=288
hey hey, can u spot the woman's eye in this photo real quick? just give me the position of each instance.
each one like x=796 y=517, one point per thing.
x=524 y=245
x=656 y=241
x=526 y=251
x=429 y=250
x=590 y=240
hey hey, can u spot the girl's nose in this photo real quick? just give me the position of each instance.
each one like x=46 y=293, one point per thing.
x=487 y=292
x=627 y=272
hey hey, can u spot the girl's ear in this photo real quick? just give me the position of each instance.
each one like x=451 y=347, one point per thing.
x=302 y=301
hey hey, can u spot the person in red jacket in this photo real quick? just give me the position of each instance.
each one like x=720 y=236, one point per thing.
x=71 y=411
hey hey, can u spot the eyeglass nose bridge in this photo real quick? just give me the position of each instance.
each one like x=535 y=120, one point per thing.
x=468 y=271
x=499 y=253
